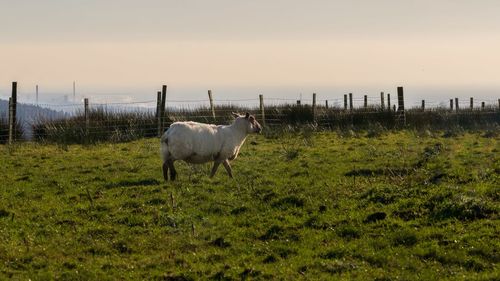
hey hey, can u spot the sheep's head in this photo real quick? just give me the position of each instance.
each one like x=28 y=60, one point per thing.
x=249 y=121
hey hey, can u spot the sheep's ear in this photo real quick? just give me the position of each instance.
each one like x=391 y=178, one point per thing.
x=247 y=115
x=236 y=115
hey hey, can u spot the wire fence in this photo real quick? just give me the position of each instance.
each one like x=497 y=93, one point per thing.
x=125 y=121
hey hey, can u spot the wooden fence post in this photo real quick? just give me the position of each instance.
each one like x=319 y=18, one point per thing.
x=401 y=102
x=158 y=103
x=401 y=107
x=350 y=101
x=365 y=104
x=11 y=120
x=13 y=114
x=314 y=107
x=86 y=108
x=87 y=117
x=326 y=104
x=482 y=105
x=162 y=108
x=394 y=107
x=389 y=102
x=158 y=112
x=423 y=105
x=14 y=111
x=451 y=104
x=345 y=102
x=471 y=103
x=456 y=104
x=382 y=105
x=14 y=104
x=498 y=104
x=298 y=102
x=212 y=107
x=262 y=113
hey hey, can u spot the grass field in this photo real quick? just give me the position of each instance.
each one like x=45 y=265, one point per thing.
x=396 y=206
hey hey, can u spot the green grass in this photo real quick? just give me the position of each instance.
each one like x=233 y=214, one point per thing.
x=395 y=205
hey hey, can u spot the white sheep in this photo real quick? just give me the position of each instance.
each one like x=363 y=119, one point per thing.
x=200 y=143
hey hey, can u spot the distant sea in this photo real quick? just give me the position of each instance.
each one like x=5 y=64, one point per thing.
x=249 y=96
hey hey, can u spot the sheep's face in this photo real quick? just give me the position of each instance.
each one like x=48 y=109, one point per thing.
x=253 y=125
x=249 y=120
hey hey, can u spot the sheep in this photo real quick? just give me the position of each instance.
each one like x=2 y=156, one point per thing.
x=199 y=143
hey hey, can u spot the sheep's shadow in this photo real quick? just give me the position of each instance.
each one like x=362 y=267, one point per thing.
x=130 y=183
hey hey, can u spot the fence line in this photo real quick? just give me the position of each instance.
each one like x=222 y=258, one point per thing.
x=89 y=119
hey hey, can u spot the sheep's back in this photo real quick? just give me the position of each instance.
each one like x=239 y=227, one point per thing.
x=193 y=142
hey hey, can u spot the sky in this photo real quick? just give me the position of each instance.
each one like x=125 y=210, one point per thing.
x=122 y=49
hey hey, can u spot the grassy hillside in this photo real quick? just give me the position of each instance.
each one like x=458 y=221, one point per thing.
x=312 y=206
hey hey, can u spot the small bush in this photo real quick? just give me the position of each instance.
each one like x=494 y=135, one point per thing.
x=404 y=237
x=377 y=216
x=4 y=213
x=220 y=242
x=463 y=208
x=4 y=131
x=375 y=131
x=167 y=221
x=171 y=277
x=289 y=201
x=239 y=210
x=409 y=209
x=453 y=132
x=122 y=247
x=334 y=254
x=383 y=195
x=290 y=152
x=348 y=231
x=491 y=133
x=336 y=266
x=274 y=232
x=270 y=259
x=315 y=222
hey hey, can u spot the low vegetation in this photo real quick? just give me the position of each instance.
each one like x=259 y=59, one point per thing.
x=111 y=125
x=4 y=131
x=102 y=126
x=405 y=205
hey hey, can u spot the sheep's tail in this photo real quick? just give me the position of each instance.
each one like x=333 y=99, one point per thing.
x=164 y=147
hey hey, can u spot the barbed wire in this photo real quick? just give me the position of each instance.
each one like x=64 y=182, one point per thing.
x=267 y=100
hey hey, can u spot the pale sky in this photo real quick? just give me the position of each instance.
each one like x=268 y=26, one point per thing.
x=261 y=45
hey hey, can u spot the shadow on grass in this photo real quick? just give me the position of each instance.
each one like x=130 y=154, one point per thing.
x=129 y=183
x=378 y=172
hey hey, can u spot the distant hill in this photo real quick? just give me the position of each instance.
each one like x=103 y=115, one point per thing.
x=27 y=114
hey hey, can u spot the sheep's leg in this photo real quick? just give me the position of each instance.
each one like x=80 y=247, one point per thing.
x=214 y=169
x=228 y=168
x=173 y=172
x=165 y=170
